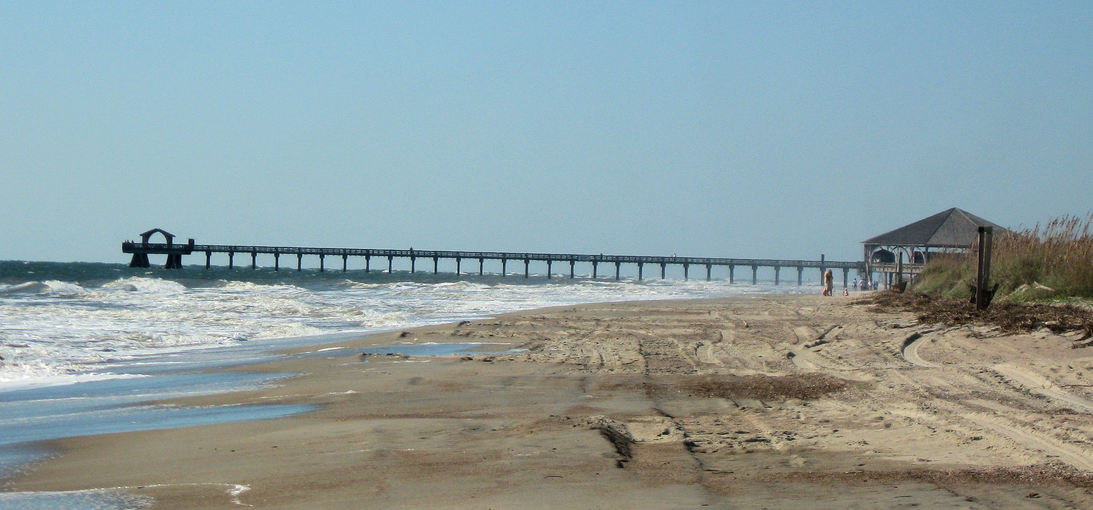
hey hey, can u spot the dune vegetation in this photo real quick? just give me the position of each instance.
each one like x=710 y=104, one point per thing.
x=1052 y=262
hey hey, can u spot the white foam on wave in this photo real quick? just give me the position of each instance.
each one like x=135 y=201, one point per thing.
x=25 y=287
x=146 y=285
x=62 y=289
x=136 y=316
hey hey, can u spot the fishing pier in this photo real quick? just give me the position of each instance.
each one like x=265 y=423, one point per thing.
x=141 y=250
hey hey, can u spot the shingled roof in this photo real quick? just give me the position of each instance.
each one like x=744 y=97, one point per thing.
x=954 y=228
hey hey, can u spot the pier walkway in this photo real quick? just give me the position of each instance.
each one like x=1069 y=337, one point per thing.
x=174 y=252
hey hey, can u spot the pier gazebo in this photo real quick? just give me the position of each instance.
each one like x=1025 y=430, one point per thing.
x=906 y=249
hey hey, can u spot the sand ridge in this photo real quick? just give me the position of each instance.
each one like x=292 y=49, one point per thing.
x=752 y=402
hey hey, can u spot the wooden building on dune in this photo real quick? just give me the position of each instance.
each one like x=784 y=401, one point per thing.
x=905 y=250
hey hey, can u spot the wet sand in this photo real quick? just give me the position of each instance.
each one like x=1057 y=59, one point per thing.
x=752 y=402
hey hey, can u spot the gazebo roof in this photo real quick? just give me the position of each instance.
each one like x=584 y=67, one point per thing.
x=953 y=228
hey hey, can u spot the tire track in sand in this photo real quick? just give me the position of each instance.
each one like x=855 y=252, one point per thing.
x=909 y=351
x=1040 y=385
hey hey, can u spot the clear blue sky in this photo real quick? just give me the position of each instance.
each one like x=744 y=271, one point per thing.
x=739 y=129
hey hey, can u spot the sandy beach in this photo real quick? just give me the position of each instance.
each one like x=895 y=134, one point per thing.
x=753 y=402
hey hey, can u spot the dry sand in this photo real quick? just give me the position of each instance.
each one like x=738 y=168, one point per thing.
x=757 y=402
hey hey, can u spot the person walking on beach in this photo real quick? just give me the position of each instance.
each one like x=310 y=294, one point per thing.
x=829 y=282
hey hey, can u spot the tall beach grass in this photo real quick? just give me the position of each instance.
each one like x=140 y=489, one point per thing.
x=1045 y=262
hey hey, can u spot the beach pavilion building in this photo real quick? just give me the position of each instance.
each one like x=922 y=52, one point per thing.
x=905 y=250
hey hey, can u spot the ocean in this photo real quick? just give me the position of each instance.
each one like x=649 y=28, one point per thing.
x=84 y=343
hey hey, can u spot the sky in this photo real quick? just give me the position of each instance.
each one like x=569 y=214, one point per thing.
x=710 y=129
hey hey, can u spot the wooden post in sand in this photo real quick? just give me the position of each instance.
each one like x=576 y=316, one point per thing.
x=983 y=276
x=899 y=270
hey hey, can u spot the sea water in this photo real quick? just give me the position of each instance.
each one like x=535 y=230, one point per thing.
x=83 y=342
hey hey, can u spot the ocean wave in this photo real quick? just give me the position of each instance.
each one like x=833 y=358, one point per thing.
x=146 y=285
x=23 y=288
x=62 y=289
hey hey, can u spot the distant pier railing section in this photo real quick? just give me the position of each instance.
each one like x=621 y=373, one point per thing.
x=174 y=252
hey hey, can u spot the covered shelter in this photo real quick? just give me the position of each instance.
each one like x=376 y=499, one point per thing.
x=947 y=231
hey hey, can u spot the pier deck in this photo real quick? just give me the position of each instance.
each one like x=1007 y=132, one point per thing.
x=140 y=251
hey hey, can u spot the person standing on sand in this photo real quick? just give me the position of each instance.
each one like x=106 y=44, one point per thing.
x=829 y=282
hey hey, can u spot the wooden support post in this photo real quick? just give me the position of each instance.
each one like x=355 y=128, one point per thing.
x=662 y=264
x=458 y=262
x=686 y=269
x=231 y=259
x=322 y=262
x=822 y=270
x=640 y=270
x=594 y=263
x=732 y=276
x=390 y=263
x=617 y=266
x=800 y=271
x=481 y=261
x=139 y=260
x=367 y=263
x=777 y=276
x=276 y=261
x=503 y=264
x=846 y=276
x=299 y=261
x=208 y=259
x=413 y=264
x=174 y=261
x=253 y=260
x=899 y=270
x=754 y=271
x=571 y=273
x=436 y=262
x=527 y=271
x=345 y=262
x=983 y=273
x=548 y=269
x=708 y=267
